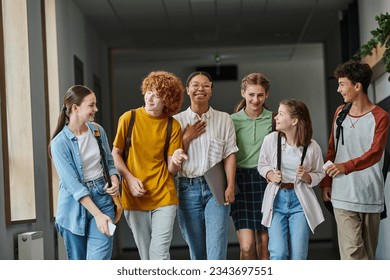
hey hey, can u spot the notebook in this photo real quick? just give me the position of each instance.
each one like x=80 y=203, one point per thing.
x=216 y=180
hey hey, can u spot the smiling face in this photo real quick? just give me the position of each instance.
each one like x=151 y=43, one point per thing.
x=284 y=121
x=255 y=96
x=154 y=105
x=347 y=89
x=199 y=89
x=87 y=109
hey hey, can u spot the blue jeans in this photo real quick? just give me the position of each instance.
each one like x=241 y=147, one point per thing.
x=289 y=232
x=94 y=245
x=202 y=221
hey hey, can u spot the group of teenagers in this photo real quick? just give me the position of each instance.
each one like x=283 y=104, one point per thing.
x=270 y=157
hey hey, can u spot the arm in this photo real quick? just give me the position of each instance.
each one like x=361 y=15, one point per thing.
x=175 y=161
x=326 y=182
x=369 y=158
x=61 y=152
x=113 y=173
x=176 y=155
x=230 y=170
x=135 y=185
x=100 y=218
x=311 y=172
x=266 y=164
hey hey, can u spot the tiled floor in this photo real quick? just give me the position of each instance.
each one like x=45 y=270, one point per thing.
x=318 y=250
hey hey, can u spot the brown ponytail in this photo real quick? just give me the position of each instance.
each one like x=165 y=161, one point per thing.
x=74 y=95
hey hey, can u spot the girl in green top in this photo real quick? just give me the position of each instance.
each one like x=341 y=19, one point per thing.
x=252 y=122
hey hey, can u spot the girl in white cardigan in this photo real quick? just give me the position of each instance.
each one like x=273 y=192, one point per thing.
x=290 y=207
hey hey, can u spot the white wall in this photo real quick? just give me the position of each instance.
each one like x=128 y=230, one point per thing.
x=367 y=12
x=77 y=37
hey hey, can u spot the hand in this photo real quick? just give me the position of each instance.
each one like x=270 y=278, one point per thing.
x=335 y=169
x=178 y=157
x=229 y=196
x=195 y=130
x=276 y=177
x=135 y=186
x=325 y=193
x=302 y=175
x=114 y=189
x=102 y=223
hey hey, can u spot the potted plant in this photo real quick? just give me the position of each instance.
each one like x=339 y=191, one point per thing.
x=380 y=37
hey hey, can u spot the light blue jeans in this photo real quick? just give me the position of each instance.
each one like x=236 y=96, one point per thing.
x=289 y=232
x=152 y=231
x=94 y=245
x=202 y=221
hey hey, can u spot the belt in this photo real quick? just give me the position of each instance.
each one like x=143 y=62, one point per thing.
x=286 y=185
x=94 y=183
x=191 y=181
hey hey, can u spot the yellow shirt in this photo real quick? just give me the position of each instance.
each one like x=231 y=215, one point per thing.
x=146 y=159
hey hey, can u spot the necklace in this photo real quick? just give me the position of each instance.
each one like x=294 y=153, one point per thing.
x=353 y=123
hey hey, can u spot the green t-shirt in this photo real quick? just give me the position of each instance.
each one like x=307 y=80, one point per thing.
x=249 y=136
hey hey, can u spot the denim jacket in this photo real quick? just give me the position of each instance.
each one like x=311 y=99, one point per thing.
x=67 y=160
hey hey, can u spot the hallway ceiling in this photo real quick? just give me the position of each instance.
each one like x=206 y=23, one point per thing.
x=177 y=25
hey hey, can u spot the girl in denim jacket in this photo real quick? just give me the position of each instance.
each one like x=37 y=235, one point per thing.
x=85 y=205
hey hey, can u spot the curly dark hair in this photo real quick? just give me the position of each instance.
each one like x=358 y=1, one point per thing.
x=168 y=87
x=356 y=72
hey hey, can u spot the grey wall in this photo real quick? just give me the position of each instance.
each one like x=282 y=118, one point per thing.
x=75 y=36
x=9 y=233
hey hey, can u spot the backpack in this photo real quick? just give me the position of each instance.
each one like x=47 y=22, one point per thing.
x=339 y=121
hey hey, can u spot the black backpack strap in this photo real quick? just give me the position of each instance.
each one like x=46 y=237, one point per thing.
x=106 y=172
x=303 y=154
x=339 y=121
x=130 y=129
x=128 y=137
x=168 y=138
x=279 y=151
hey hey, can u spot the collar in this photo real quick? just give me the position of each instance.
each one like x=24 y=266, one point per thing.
x=195 y=116
x=70 y=134
x=242 y=114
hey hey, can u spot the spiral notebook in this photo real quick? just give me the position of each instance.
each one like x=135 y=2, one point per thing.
x=216 y=180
